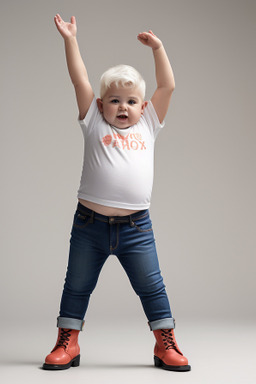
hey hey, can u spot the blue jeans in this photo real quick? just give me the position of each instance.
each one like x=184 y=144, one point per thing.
x=131 y=239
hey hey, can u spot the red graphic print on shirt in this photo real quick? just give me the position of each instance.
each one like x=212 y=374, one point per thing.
x=107 y=139
x=130 y=141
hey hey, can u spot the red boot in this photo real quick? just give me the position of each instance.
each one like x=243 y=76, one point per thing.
x=66 y=351
x=167 y=353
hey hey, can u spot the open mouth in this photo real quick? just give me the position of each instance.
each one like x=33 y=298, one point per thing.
x=122 y=117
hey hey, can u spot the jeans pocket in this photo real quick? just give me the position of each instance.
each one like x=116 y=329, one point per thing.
x=144 y=224
x=81 y=220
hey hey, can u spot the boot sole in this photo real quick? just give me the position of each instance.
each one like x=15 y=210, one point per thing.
x=56 y=367
x=179 y=368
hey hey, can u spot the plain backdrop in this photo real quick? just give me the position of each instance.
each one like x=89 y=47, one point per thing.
x=203 y=201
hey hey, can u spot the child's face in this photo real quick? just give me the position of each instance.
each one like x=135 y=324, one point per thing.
x=121 y=106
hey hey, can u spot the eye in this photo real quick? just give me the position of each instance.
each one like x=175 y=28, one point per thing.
x=131 y=102
x=114 y=101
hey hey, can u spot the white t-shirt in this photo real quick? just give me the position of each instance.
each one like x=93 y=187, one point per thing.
x=118 y=163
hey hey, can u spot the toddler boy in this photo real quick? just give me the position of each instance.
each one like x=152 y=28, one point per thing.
x=112 y=215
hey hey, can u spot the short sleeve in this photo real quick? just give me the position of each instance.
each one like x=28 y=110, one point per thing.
x=91 y=118
x=152 y=120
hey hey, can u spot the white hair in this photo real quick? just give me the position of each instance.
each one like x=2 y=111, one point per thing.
x=122 y=75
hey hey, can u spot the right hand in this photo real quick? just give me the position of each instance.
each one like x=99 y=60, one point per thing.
x=66 y=29
x=149 y=39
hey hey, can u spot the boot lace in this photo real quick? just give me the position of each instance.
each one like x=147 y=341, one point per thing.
x=168 y=339
x=64 y=338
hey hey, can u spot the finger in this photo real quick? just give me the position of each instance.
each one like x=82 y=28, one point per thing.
x=58 y=17
x=143 y=35
x=142 y=39
x=59 y=23
x=58 y=20
x=151 y=32
x=73 y=20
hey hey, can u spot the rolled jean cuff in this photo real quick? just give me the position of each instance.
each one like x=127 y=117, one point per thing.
x=168 y=323
x=68 y=322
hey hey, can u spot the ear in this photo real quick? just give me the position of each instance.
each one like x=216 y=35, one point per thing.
x=143 y=106
x=100 y=105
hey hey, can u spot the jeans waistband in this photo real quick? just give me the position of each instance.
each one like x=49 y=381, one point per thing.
x=112 y=219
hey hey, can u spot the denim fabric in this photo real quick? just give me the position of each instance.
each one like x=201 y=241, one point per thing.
x=131 y=239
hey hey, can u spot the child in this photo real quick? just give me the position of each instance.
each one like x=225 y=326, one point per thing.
x=112 y=215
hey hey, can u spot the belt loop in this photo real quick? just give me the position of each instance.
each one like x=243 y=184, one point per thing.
x=131 y=222
x=91 y=217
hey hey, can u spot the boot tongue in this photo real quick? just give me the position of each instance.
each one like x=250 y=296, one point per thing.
x=175 y=343
x=64 y=338
x=169 y=340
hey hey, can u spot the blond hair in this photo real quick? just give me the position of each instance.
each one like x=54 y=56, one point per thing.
x=122 y=75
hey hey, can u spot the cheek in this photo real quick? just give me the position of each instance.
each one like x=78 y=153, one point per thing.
x=137 y=113
x=111 y=109
x=108 y=110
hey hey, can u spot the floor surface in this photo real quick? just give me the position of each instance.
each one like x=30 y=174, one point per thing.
x=218 y=352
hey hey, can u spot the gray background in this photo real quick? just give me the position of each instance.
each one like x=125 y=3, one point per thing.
x=203 y=202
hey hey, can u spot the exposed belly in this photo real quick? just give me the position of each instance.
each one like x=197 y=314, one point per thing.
x=106 y=211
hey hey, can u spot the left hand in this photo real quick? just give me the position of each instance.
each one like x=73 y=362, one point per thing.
x=66 y=29
x=149 y=39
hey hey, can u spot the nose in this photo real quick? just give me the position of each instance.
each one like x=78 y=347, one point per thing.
x=122 y=106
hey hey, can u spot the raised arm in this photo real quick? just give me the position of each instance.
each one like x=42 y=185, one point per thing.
x=164 y=74
x=76 y=67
